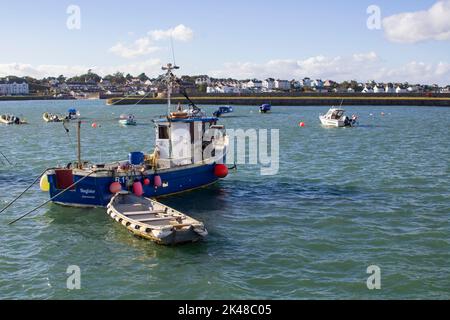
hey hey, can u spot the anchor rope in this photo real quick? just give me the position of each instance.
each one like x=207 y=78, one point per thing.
x=54 y=197
x=28 y=188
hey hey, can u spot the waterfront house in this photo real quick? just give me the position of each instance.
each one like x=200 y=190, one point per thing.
x=350 y=90
x=367 y=89
x=400 y=89
x=254 y=84
x=203 y=80
x=268 y=84
x=283 y=85
x=13 y=87
x=318 y=84
x=306 y=82
x=378 y=89
x=389 y=88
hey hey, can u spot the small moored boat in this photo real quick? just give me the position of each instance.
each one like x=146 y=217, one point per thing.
x=154 y=221
x=335 y=117
x=265 y=108
x=222 y=111
x=11 y=119
x=73 y=114
x=127 y=120
x=50 y=117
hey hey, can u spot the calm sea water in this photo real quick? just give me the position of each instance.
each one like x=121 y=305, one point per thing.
x=344 y=199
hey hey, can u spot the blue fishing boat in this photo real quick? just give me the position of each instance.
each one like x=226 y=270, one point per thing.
x=222 y=111
x=265 y=108
x=189 y=153
x=72 y=114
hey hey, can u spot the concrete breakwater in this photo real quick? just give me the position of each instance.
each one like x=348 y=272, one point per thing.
x=300 y=100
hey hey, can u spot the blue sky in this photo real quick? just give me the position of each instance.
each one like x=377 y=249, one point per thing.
x=239 y=38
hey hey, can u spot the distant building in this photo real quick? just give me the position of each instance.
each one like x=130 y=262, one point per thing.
x=378 y=89
x=203 y=80
x=268 y=84
x=306 y=82
x=254 y=84
x=284 y=85
x=389 y=88
x=367 y=89
x=317 y=84
x=13 y=87
x=400 y=89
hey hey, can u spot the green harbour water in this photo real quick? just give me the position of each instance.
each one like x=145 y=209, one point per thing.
x=343 y=200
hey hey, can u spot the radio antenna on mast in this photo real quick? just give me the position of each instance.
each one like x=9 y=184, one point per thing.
x=173 y=50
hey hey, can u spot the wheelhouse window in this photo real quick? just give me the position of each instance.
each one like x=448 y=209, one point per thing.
x=163 y=132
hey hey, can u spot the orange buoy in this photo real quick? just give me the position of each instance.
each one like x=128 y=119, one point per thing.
x=138 y=189
x=157 y=181
x=221 y=171
x=115 y=187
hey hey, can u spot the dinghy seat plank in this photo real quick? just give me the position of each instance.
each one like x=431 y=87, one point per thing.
x=137 y=213
x=156 y=219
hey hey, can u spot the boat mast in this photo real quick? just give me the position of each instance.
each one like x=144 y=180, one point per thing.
x=170 y=77
x=79 y=164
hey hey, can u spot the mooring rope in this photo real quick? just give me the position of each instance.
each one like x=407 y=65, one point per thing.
x=54 y=197
x=6 y=159
x=28 y=188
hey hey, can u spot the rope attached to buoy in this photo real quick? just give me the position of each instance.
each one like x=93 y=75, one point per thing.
x=28 y=188
x=53 y=198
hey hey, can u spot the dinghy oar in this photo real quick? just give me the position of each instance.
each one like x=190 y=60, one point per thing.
x=28 y=188
x=53 y=198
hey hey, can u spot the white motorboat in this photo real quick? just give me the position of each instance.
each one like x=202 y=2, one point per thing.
x=335 y=117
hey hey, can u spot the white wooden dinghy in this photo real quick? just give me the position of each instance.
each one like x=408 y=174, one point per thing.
x=154 y=221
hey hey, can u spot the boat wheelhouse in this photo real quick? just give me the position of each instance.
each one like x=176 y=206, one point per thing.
x=190 y=151
x=335 y=117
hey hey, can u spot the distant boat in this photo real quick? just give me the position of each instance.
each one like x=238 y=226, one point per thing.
x=222 y=111
x=50 y=117
x=265 y=108
x=11 y=119
x=73 y=114
x=127 y=120
x=335 y=117
x=154 y=221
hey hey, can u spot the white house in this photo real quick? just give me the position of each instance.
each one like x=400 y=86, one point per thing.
x=268 y=84
x=306 y=82
x=350 y=90
x=254 y=84
x=378 y=89
x=389 y=88
x=317 y=83
x=399 y=89
x=16 y=87
x=203 y=80
x=367 y=89
x=284 y=85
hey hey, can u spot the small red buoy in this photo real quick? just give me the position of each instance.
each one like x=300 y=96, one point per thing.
x=137 y=189
x=301 y=124
x=221 y=171
x=157 y=181
x=115 y=187
x=146 y=181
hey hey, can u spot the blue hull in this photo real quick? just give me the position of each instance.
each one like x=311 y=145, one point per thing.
x=94 y=191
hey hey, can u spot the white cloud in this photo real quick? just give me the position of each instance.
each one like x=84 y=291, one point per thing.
x=151 y=67
x=140 y=47
x=180 y=33
x=147 y=45
x=412 y=27
x=360 y=66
